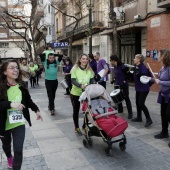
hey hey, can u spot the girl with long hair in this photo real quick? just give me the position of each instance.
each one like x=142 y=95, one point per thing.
x=14 y=101
x=81 y=75
x=164 y=94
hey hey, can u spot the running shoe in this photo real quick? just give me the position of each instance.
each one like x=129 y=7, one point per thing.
x=78 y=131
x=10 y=161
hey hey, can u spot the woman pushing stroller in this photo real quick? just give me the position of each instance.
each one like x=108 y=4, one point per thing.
x=81 y=75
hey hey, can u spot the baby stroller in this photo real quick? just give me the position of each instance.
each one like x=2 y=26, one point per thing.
x=100 y=118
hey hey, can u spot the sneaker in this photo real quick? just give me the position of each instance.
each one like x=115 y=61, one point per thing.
x=161 y=136
x=67 y=94
x=78 y=131
x=10 y=161
x=136 y=120
x=148 y=123
x=52 y=112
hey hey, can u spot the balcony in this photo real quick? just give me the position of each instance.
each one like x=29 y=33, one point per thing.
x=39 y=12
x=60 y=3
x=83 y=25
x=163 y=3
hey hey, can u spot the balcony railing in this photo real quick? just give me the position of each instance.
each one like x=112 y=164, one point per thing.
x=163 y=3
x=83 y=25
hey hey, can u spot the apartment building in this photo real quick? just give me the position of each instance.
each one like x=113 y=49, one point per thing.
x=10 y=43
x=80 y=34
x=142 y=26
x=46 y=23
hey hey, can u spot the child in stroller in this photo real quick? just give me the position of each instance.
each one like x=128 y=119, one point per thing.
x=100 y=119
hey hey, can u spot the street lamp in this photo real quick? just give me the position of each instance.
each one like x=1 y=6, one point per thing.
x=44 y=31
x=30 y=41
x=90 y=5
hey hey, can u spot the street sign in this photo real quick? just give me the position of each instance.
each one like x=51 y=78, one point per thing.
x=60 y=45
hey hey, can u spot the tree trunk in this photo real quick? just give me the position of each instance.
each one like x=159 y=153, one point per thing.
x=70 y=48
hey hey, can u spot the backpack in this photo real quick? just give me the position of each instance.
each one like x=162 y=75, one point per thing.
x=109 y=70
x=150 y=75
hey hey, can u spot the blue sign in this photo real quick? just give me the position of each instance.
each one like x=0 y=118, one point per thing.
x=60 y=45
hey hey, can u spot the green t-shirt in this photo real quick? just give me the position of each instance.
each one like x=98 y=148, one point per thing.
x=35 y=67
x=48 y=52
x=51 y=72
x=15 y=96
x=82 y=77
x=32 y=71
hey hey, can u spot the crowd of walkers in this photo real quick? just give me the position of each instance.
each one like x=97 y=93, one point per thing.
x=15 y=99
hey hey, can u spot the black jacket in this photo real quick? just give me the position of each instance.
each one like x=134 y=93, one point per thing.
x=5 y=105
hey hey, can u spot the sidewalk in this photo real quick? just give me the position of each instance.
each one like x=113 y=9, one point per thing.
x=53 y=145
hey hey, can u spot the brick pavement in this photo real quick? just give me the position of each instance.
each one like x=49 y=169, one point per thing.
x=52 y=144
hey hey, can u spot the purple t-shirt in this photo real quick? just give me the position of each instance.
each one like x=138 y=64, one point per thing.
x=140 y=71
x=68 y=68
x=120 y=76
x=93 y=65
x=100 y=66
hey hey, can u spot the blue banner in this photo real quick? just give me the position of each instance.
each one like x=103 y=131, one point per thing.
x=60 y=45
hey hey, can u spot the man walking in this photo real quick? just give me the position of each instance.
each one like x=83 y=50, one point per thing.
x=51 y=72
x=102 y=69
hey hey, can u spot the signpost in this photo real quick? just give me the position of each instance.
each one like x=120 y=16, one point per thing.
x=60 y=45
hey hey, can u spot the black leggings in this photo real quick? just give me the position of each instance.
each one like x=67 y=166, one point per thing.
x=51 y=86
x=165 y=115
x=18 y=135
x=140 y=104
x=76 y=107
x=125 y=91
x=32 y=81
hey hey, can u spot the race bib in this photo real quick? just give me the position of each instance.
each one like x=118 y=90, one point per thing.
x=15 y=116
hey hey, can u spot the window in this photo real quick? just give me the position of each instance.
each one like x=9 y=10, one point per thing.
x=40 y=1
x=49 y=8
x=4 y=45
x=49 y=30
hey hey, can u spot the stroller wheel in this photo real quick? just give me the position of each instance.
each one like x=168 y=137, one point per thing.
x=122 y=146
x=85 y=143
x=90 y=141
x=108 y=151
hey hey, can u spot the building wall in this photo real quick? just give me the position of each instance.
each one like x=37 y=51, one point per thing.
x=158 y=37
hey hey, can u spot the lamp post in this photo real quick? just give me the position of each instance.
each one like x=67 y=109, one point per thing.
x=90 y=5
x=30 y=48
x=44 y=31
x=112 y=16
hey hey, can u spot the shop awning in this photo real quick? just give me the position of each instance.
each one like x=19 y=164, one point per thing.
x=132 y=25
x=77 y=42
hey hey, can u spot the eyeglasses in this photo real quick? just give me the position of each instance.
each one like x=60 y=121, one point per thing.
x=13 y=68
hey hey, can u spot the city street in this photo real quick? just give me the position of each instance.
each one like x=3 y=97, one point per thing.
x=53 y=144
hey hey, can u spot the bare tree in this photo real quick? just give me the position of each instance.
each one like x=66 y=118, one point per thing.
x=11 y=17
x=77 y=4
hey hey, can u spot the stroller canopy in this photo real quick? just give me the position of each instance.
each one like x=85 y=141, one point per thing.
x=96 y=90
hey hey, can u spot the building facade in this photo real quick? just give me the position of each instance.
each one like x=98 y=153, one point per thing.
x=11 y=44
x=46 y=23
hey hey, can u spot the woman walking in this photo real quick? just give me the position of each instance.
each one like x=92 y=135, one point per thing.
x=142 y=90
x=122 y=83
x=67 y=73
x=81 y=75
x=14 y=101
x=164 y=94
